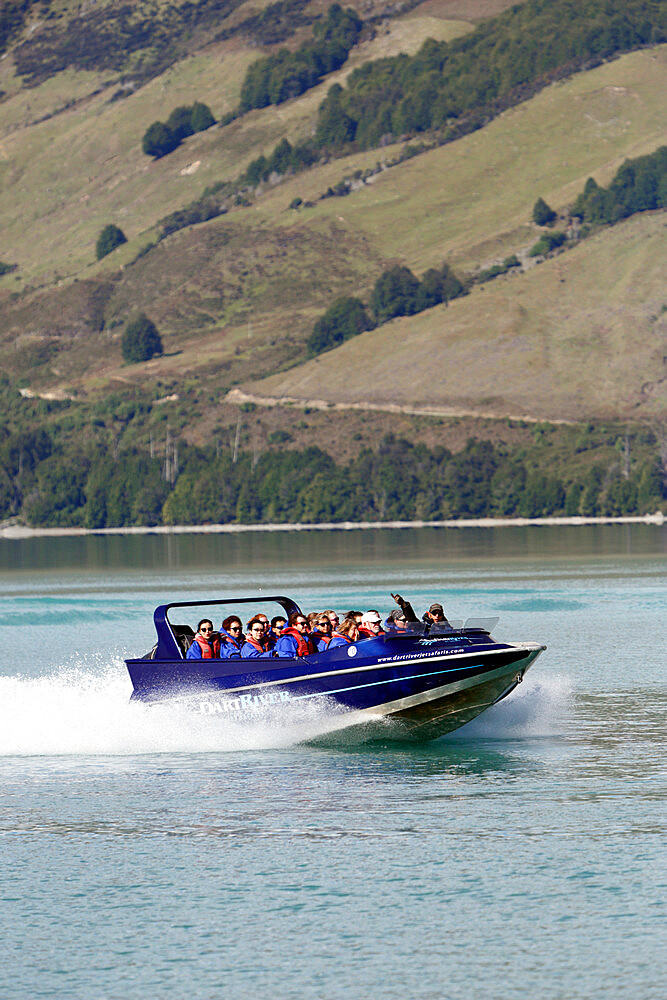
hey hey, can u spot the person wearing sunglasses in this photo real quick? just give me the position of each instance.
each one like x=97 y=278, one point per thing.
x=321 y=632
x=396 y=622
x=231 y=637
x=206 y=643
x=255 y=645
x=435 y=615
x=332 y=616
x=295 y=638
x=371 y=625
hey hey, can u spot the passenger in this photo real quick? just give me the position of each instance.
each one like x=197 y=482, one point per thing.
x=255 y=645
x=435 y=615
x=356 y=616
x=371 y=625
x=322 y=632
x=278 y=623
x=396 y=622
x=206 y=643
x=269 y=641
x=347 y=632
x=295 y=640
x=332 y=616
x=231 y=637
x=406 y=608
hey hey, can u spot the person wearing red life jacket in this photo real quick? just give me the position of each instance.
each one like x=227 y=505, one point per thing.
x=206 y=643
x=346 y=633
x=231 y=638
x=295 y=639
x=371 y=625
x=255 y=645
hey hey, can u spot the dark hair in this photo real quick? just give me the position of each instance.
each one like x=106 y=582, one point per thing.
x=276 y=619
x=230 y=620
x=254 y=621
x=204 y=621
x=294 y=617
x=353 y=614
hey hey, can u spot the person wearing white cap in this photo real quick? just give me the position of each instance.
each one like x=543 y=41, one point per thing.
x=371 y=625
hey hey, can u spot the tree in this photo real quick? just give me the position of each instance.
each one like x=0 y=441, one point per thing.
x=179 y=122
x=395 y=294
x=141 y=340
x=110 y=238
x=345 y=318
x=201 y=117
x=159 y=140
x=543 y=214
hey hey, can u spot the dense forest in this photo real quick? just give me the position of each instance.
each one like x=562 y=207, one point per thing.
x=459 y=84
x=78 y=484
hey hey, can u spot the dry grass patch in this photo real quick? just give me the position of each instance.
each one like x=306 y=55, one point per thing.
x=579 y=336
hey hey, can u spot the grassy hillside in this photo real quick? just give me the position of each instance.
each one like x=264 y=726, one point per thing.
x=236 y=297
x=108 y=178
x=582 y=335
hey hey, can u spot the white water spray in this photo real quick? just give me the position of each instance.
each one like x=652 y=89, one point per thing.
x=536 y=709
x=85 y=708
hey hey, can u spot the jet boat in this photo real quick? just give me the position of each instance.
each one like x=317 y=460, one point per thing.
x=416 y=684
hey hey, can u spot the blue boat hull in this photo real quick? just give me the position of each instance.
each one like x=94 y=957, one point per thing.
x=391 y=687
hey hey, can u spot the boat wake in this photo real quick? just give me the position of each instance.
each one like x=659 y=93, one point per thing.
x=85 y=709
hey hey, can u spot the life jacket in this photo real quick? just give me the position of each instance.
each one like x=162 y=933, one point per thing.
x=339 y=635
x=321 y=637
x=365 y=633
x=305 y=645
x=210 y=649
x=260 y=647
x=231 y=641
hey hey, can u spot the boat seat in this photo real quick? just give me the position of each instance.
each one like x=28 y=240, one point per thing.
x=184 y=637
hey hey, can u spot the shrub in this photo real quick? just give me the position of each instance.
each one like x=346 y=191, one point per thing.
x=543 y=214
x=179 y=122
x=345 y=318
x=159 y=140
x=201 y=117
x=110 y=238
x=547 y=243
x=141 y=340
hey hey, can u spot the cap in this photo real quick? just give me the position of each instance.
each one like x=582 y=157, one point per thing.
x=370 y=618
x=436 y=607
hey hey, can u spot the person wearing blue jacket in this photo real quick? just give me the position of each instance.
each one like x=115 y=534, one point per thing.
x=254 y=646
x=346 y=633
x=231 y=638
x=295 y=639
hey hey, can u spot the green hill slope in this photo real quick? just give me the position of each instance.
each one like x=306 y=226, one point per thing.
x=584 y=335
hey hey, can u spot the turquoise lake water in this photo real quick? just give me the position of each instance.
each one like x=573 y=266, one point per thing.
x=153 y=853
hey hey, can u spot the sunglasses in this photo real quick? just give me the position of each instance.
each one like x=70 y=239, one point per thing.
x=234 y=628
x=206 y=628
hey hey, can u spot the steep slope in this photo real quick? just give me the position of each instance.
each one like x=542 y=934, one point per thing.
x=584 y=335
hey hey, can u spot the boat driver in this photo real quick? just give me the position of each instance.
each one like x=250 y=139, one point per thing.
x=435 y=615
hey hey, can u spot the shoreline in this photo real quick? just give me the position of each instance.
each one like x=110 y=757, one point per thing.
x=13 y=532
